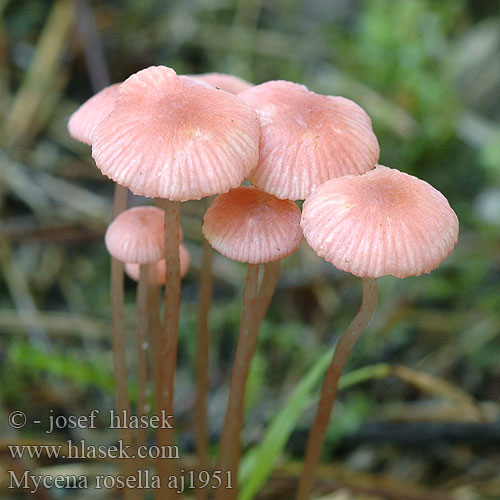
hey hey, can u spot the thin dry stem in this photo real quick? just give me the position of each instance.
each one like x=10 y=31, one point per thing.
x=202 y=363
x=119 y=201
x=330 y=386
x=155 y=322
x=155 y=329
x=267 y=289
x=142 y=350
x=168 y=344
x=230 y=447
x=119 y=342
x=255 y=305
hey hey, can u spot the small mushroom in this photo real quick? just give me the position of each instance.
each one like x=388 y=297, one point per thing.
x=83 y=122
x=380 y=223
x=171 y=137
x=307 y=138
x=384 y=222
x=136 y=237
x=249 y=225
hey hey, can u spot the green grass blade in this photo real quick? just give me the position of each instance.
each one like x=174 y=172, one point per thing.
x=258 y=463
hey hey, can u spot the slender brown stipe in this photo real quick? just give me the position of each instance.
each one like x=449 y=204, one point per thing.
x=230 y=447
x=168 y=343
x=330 y=386
x=142 y=351
x=202 y=363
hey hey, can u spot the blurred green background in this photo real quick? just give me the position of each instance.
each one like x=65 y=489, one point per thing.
x=425 y=424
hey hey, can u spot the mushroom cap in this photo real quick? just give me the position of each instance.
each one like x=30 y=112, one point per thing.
x=137 y=235
x=249 y=225
x=228 y=83
x=307 y=138
x=173 y=137
x=133 y=270
x=83 y=122
x=383 y=222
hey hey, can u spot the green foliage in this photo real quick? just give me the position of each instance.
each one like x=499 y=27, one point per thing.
x=490 y=156
x=398 y=50
x=259 y=462
x=26 y=362
x=255 y=382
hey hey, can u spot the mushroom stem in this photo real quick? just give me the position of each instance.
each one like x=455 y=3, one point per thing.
x=168 y=343
x=142 y=350
x=155 y=330
x=267 y=289
x=255 y=304
x=119 y=200
x=230 y=446
x=119 y=355
x=119 y=340
x=155 y=322
x=330 y=386
x=202 y=362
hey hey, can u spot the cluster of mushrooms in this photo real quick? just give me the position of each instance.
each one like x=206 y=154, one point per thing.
x=176 y=138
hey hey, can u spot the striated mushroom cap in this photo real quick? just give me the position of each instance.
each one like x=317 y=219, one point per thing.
x=83 y=122
x=383 y=222
x=228 y=83
x=137 y=235
x=249 y=225
x=133 y=269
x=173 y=137
x=307 y=138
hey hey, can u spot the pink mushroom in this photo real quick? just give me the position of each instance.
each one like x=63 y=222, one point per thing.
x=83 y=122
x=307 y=138
x=137 y=235
x=170 y=137
x=249 y=225
x=384 y=222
